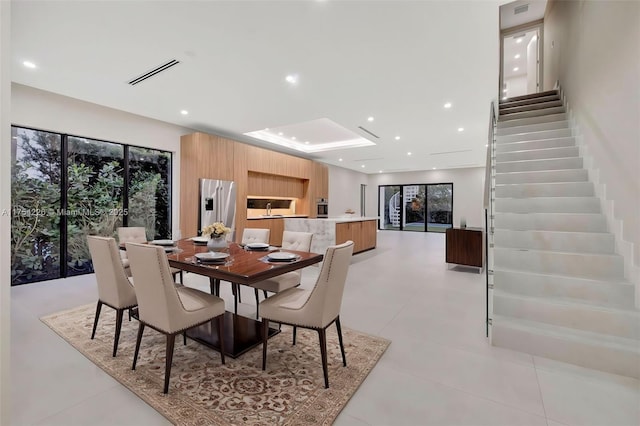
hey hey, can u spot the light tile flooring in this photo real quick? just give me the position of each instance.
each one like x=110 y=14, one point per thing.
x=439 y=369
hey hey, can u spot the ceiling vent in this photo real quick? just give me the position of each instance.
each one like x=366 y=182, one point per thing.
x=365 y=130
x=521 y=9
x=153 y=72
x=450 y=152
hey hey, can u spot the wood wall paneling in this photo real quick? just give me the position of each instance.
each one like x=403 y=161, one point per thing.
x=262 y=184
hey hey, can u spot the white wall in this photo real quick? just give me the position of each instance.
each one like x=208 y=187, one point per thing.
x=516 y=86
x=532 y=65
x=48 y=111
x=468 y=190
x=593 y=48
x=5 y=203
x=344 y=191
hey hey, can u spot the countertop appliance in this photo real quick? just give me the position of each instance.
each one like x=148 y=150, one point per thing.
x=322 y=208
x=217 y=204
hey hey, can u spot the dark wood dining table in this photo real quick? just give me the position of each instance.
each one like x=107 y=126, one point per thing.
x=242 y=267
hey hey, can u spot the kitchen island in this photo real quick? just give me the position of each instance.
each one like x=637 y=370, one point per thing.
x=336 y=230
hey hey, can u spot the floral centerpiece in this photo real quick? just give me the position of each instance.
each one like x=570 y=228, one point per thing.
x=216 y=232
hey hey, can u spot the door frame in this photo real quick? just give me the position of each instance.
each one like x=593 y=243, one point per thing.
x=539 y=25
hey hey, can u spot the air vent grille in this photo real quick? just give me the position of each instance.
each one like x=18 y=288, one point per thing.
x=365 y=130
x=450 y=152
x=521 y=9
x=153 y=72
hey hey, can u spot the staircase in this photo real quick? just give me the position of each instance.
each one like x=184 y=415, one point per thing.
x=559 y=289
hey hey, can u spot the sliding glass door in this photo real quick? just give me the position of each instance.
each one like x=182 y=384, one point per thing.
x=417 y=208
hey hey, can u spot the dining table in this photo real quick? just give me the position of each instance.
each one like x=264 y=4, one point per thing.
x=241 y=267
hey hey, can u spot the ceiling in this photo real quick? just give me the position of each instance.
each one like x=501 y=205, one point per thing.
x=396 y=61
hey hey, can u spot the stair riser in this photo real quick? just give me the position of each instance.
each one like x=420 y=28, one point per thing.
x=504 y=109
x=554 y=125
x=580 y=317
x=534 y=113
x=576 y=175
x=555 y=241
x=538 y=154
x=537 y=165
x=550 y=222
x=585 y=354
x=531 y=136
x=596 y=266
x=534 y=101
x=550 y=286
x=533 y=120
x=564 y=189
x=539 y=144
x=540 y=205
x=532 y=97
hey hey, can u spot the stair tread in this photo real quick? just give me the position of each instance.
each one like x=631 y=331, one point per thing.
x=537 y=159
x=548 y=149
x=507 y=116
x=571 y=277
x=557 y=232
x=541 y=183
x=530 y=96
x=599 y=339
x=537 y=171
x=558 y=252
x=536 y=124
x=536 y=140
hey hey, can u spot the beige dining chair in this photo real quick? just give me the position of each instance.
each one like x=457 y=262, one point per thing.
x=114 y=287
x=137 y=234
x=300 y=241
x=167 y=308
x=249 y=235
x=314 y=309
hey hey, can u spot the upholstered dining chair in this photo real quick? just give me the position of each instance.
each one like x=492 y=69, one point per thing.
x=315 y=309
x=137 y=234
x=300 y=241
x=249 y=235
x=114 y=287
x=167 y=308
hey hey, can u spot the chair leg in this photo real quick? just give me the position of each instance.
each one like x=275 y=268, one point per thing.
x=171 y=339
x=265 y=293
x=130 y=314
x=181 y=278
x=295 y=329
x=257 y=303
x=236 y=296
x=344 y=357
x=138 y=340
x=184 y=336
x=238 y=292
x=212 y=286
x=265 y=337
x=322 y=334
x=221 y=336
x=119 y=315
x=95 y=321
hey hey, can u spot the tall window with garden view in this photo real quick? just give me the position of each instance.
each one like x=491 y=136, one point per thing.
x=66 y=187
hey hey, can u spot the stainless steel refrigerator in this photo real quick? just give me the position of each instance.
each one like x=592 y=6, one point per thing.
x=217 y=204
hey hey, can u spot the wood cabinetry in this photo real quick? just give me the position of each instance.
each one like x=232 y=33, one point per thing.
x=262 y=184
x=275 y=226
x=362 y=233
x=465 y=246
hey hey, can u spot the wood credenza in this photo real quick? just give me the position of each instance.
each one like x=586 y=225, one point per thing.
x=465 y=246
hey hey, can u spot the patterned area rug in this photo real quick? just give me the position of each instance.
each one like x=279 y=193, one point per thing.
x=202 y=391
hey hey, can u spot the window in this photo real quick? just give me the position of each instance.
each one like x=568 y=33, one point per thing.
x=423 y=207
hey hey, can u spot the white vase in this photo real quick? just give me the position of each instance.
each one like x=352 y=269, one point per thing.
x=217 y=244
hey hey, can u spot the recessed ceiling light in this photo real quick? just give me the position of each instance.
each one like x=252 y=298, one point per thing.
x=292 y=79
x=519 y=40
x=516 y=69
x=504 y=97
x=339 y=159
x=408 y=153
x=266 y=129
x=433 y=168
x=379 y=171
x=184 y=112
x=279 y=133
x=517 y=56
x=293 y=138
x=362 y=166
x=29 y=64
x=504 y=90
x=461 y=129
x=306 y=142
x=447 y=105
x=397 y=138
x=486 y=146
x=370 y=119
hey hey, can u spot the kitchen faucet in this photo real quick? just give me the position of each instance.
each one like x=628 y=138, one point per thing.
x=268 y=209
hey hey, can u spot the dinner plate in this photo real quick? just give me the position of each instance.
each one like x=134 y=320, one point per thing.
x=282 y=256
x=200 y=240
x=257 y=246
x=163 y=242
x=211 y=256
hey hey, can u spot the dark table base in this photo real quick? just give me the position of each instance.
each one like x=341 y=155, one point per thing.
x=241 y=334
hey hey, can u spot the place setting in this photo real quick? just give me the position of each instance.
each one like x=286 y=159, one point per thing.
x=211 y=257
x=280 y=257
x=167 y=245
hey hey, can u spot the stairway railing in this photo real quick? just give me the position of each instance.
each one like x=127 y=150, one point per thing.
x=489 y=188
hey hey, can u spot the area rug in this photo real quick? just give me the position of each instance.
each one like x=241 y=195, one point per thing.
x=202 y=391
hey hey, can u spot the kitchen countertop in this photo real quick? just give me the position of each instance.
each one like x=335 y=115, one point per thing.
x=342 y=219
x=286 y=216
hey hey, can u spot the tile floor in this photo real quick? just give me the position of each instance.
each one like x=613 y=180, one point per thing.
x=439 y=369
